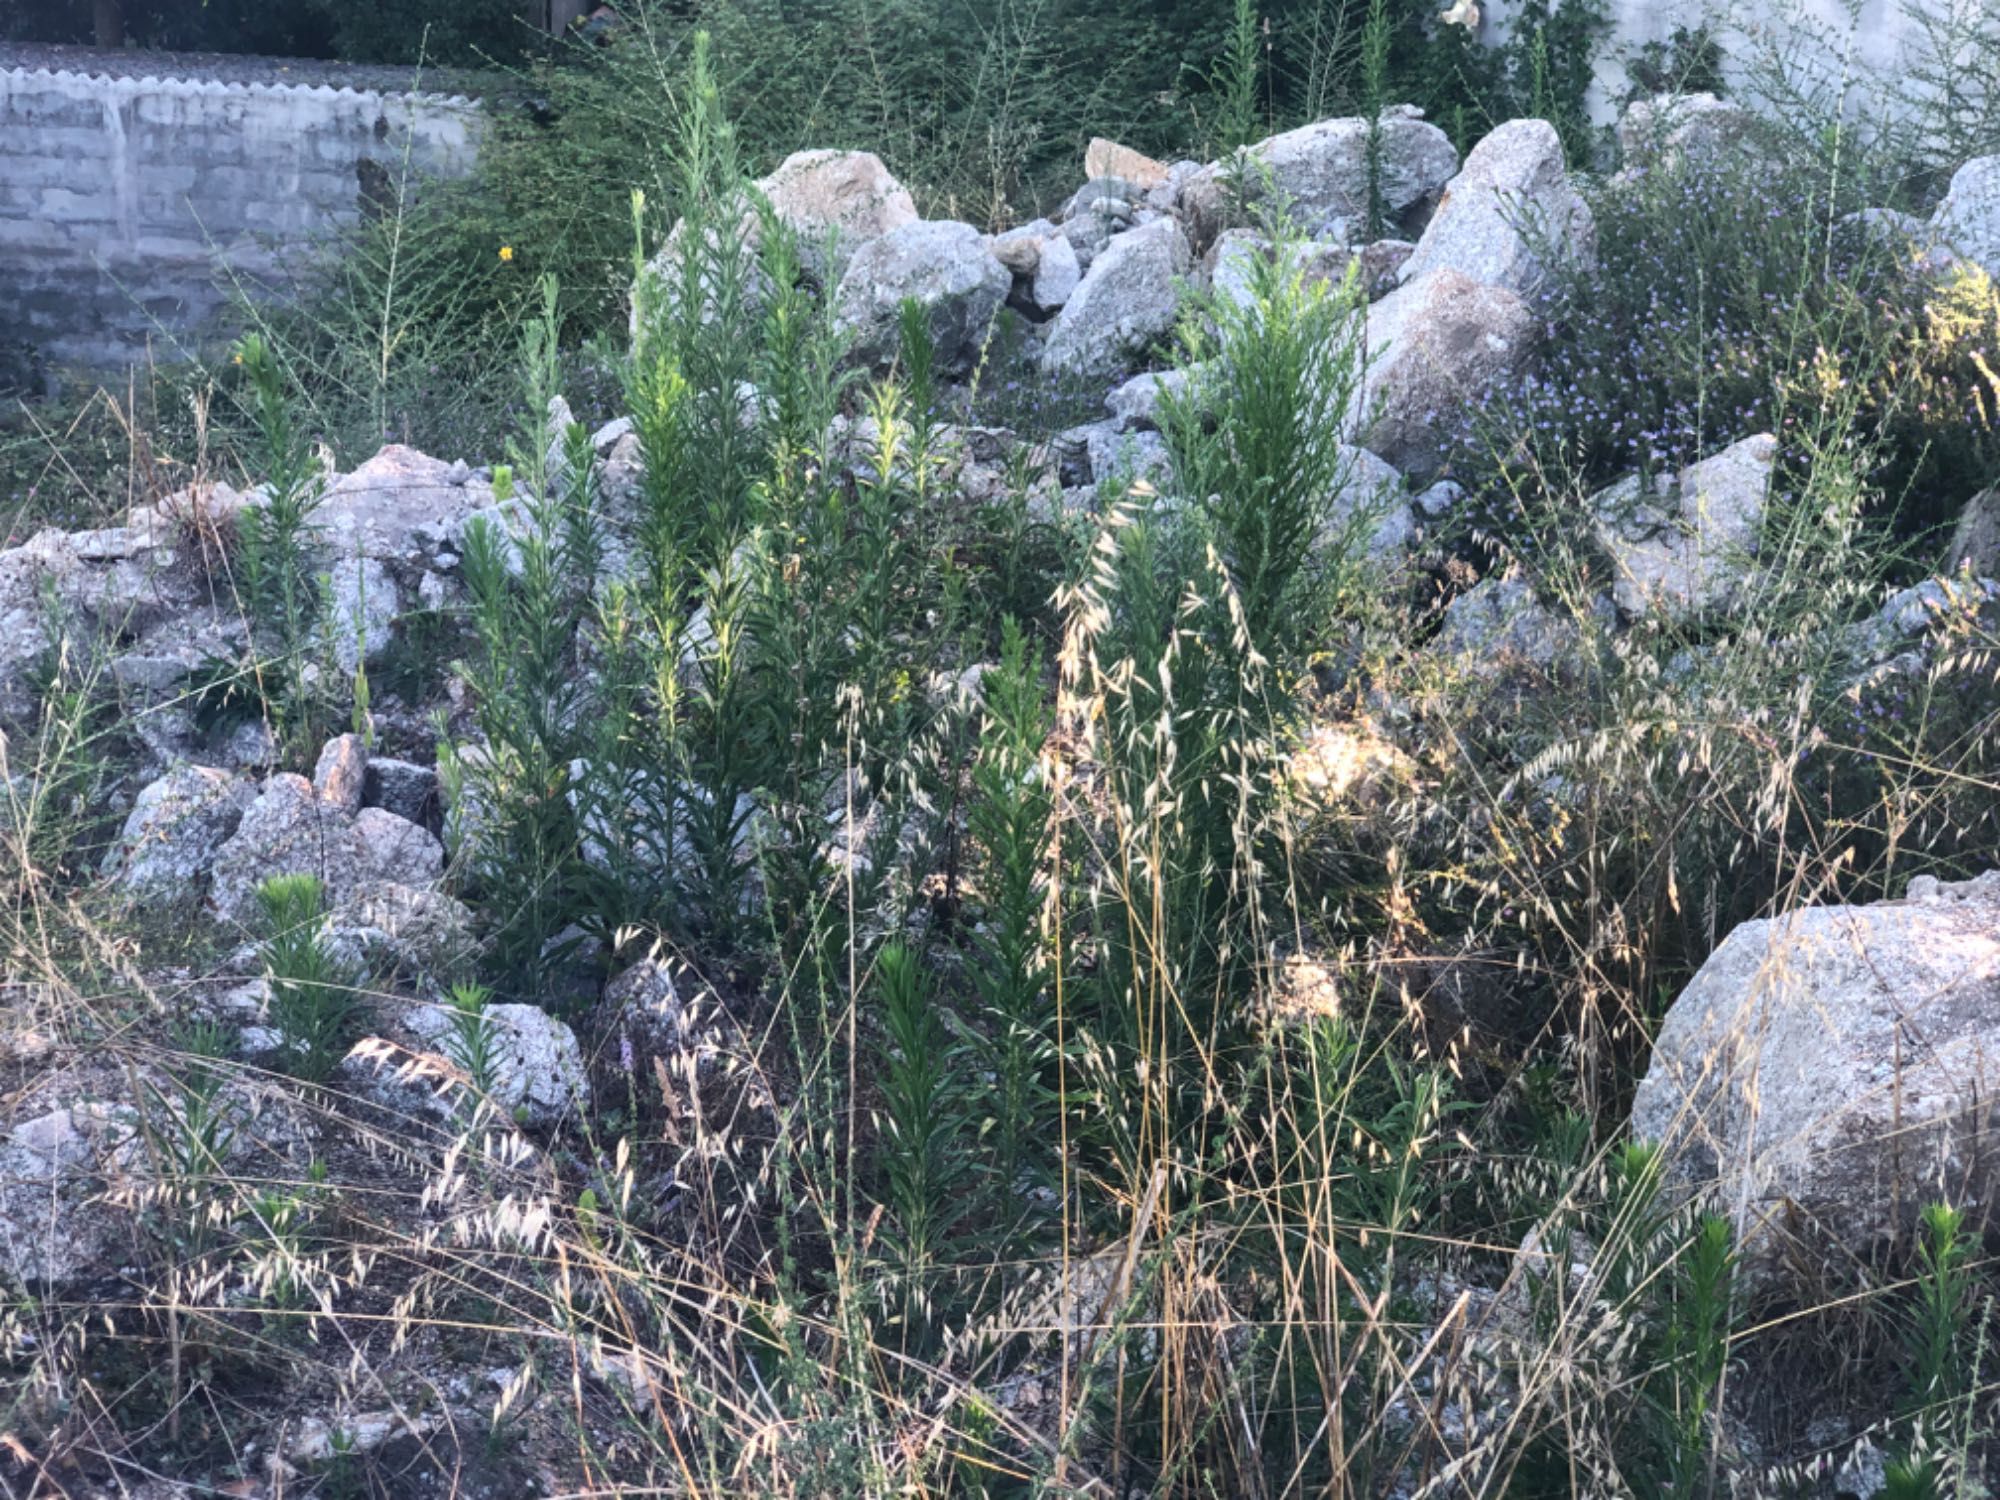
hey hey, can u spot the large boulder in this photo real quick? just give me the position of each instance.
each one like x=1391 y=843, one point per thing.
x=1685 y=547
x=1102 y=158
x=1968 y=220
x=1438 y=345
x=177 y=823
x=1320 y=176
x=1829 y=1071
x=836 y=199
x=1126 y=304
x=947 y=268
x=1510 y=216
x=833 y=201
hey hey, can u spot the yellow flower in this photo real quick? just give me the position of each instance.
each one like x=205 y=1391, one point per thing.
x=506 y=252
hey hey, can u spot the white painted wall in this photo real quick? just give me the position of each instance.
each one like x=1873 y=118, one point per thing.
x=1872 y=41
x=125 y=201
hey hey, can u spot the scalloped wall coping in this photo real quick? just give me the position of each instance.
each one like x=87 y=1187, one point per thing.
x=219 y=87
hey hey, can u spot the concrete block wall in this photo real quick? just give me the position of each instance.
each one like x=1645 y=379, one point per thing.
x=128 y=204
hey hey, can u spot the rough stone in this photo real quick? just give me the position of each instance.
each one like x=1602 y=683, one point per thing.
x=1685 y=549
x=1968 y=220
x=1320 y=174
x=1371 y=494
x=1975 y=542
x=1671 y=128
x=288 y=830
x=538 y=1075
x=402 y=787
x=1498 y=626
x=55 y=1230
x=647 y=1006
x=1126 y=303
x=1830 y=1070
x=395 y=849
x=340 y=776
x=846 y=196
x=1511 y=216
x=1136 y=404
x=399 y=928
x=1102 y=158
x=177 y=823
x=1439 y=343
x=946 y=267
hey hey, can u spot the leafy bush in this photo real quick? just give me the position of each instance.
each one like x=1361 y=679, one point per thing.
x=1730 y=298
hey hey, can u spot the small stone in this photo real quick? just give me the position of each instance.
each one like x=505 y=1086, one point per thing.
x=341 y=773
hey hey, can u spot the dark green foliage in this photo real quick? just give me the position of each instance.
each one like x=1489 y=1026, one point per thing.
x=1010 y=823
x=1253 y=435
x=314 y=1000
x=531 y=596
x=926 y=1125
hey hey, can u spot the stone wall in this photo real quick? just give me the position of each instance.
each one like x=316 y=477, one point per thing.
x=129 y=204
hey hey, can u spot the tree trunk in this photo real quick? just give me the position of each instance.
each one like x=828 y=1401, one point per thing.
x=108 y=19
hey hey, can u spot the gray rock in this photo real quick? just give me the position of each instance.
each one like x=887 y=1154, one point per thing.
x=394 y=928
x=288 y=830
x=1088 y=233
x=1975 y=543
x=1438 y=344
x=1498 y=626
x=395 y=849
x=1371 y=493
x=177 y=823
x=538 y=1076
x=945 y=266
x=1231 y=263
x=403 y=509
x=55 y=1229
x=341 y=774
x=1687 y=548
x=1137 y=457
x=1058 y=273
x=647 y=1006
x=1511 y=216
x=1320 y=175
x=1126 y=304
x=1968 y=220
x=1671 y=128
x=402 y=787
x=1136 y=404
x=1829 y=1071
